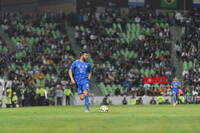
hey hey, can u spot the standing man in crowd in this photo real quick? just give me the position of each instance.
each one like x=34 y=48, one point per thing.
x=42 y=96
x=68 y=93
x=38 y=101
x=59 y=95
x=26 y=97
x=14 y=100
x=8 y=97
x=82 y=74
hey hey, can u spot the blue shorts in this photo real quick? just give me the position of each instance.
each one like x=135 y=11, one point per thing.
x=84 y=85
x=175 y=92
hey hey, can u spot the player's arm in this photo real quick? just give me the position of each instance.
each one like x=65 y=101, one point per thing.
x=71 y=76
x=90 y=72
x=178 y=84
x=89 y=75
x=70 y=72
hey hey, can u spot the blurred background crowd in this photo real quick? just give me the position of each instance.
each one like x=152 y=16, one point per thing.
x=124 y=48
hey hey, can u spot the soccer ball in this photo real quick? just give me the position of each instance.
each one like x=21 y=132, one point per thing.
x=104 y=108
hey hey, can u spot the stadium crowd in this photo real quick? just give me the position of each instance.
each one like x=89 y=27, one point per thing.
x=42 y=54
x=188 y=52
x=125 y=47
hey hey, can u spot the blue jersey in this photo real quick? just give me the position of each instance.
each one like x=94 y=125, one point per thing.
x=175 y=86
x=81 y=70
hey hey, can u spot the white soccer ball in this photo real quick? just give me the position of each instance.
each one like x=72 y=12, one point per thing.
x=104 y=108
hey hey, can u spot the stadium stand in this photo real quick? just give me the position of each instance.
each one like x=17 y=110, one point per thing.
x=189 y=52
x=43 y=51
x=124 y=49
x=135 y=46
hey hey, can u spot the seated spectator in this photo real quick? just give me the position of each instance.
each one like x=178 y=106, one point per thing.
x=106 y=101
x=133 y=100
x=195 y=94
x=124 y=101
x=198 y=100
x=169 y=93
x=189 y=96
x=127 y=83
x=167 y=101
x=123 y=92
x=160 y=100
x=139 y=101
x=189 y=100
x=153 y=101
x=181 y=99
x=117 y=92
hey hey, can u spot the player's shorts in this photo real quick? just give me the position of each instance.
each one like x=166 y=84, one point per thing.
x=84 y=85
x=175 y=92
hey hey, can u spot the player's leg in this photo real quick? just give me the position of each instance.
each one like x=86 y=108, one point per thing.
x=85 y=92
x=174 y=99
x=177 y=99
x=80 y=92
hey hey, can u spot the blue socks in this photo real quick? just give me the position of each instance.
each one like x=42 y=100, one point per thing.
x=87 y=102
x=174 y=99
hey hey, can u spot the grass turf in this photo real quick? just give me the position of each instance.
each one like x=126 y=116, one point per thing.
x=119 y=119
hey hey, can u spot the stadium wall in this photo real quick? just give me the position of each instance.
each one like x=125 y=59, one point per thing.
x=97 y=100
x=115 y=100
x=38 y=5
x=83 y=4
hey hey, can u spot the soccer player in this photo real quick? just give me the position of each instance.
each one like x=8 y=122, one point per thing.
x=82 y=74
x=175 y=92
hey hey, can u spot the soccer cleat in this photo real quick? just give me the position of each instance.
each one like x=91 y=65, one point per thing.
x=86 y=110
x=174 y=104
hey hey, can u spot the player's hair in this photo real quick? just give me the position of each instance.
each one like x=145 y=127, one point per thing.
x=83 y=52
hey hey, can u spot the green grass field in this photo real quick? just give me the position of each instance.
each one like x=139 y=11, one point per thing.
x=119 y=119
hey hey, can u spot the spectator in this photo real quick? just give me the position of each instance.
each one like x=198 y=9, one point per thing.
x=106 y=101
x=181 y=99
x=160 y=100
x=26 y=94
x=51 y=96
x=117 y=92
x=42 y=96
x=189 y=96
x=153 y=101
x=19 y=96
x=198 y=99
x=124 y=101
x=127 y=83
x=68 y=95
x=8 y=97
x=14 y=100
x=139 y=101
x=133 y=100
x=166 y=101
x=59 y=95
x=178 y=49
x=194 y=94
